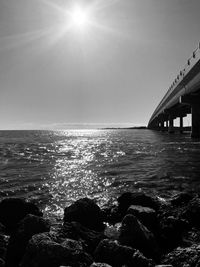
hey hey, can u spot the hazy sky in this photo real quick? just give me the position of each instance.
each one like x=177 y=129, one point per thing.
x=114 y=70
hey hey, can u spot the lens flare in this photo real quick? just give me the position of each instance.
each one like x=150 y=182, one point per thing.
x=79 y=17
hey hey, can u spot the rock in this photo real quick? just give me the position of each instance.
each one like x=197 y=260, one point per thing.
x=136 y=198
x=135 y=234
x=28 y=227
x=12 y=210
x=139 y=260
x=2 y=229
x=192 y=212
x=86 y=212
x=111 y=214
x=42 y=250
x=76 y=231
x=97 y=264
x=171 y=231
x=146 y=215
x=182 y=198
x=112 y=253
x=183 y=257
x=112 y=231
x=3 y=246
x=2 y=263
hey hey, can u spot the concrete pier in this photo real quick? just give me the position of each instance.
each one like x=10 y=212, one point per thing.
x=171 y=124
x=195 y=109
x=181 y=124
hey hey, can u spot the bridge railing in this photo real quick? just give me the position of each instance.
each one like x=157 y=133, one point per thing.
x=192 y=60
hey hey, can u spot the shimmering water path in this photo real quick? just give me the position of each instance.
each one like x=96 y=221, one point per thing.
x=55 y=168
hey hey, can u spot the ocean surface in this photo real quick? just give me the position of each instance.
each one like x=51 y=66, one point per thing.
x=55 y=168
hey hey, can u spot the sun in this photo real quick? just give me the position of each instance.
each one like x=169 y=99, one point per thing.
x=79 y=17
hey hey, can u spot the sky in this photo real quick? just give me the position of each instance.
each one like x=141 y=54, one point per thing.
x=111 y=71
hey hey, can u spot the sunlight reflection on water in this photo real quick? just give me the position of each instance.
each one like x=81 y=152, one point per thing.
x=55 y=168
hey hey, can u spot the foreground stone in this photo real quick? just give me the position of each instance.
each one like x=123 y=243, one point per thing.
x=136 y=198
x=28 y=227
x=97 y=264
x=146 y=215
x=111 y=252
x=12 y=210
x=86 y=212
x=42 y=250
x=76 y=231
x=135 y=234
x=184 y=257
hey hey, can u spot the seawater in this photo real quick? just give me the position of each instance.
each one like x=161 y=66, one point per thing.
x=55 y=168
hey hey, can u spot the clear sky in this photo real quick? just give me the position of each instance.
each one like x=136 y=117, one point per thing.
x=112 y=70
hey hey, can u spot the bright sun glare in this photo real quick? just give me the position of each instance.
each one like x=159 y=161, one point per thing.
x=79 y=17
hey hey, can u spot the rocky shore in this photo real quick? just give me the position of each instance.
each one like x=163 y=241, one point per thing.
x=139 y=230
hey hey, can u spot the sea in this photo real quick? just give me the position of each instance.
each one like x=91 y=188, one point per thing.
x=55 y=168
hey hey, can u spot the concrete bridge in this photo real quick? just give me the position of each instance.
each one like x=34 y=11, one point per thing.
x=182 y=98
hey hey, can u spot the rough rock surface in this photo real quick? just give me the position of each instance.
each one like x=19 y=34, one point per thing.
x=135 y=234
x=76 y=231
x=97 y=264
x=12 y=210
x=42 y=250
x=113 y=253
x=28 y=227
x=146 y=215
x=86 y=212
x=184 y=257
x=136 y=198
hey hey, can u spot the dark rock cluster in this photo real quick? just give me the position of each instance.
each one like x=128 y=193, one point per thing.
x=140 y=231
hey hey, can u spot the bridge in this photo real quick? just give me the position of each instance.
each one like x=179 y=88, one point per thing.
x=181 y=99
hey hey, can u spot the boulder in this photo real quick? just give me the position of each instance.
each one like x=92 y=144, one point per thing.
x=86 y=212
x=136 y=198
x=2 y=263
x=140 y=260
x=192 y=212
x=182 y=198
x=135 y=234
x=42 y=250
x=76 y=231
x=183 y=257
x=111 y=252
x=3 y=246
x=171 y=232
x=146 y=215
x=12 y=210
x=18 y=241
x=98 y=264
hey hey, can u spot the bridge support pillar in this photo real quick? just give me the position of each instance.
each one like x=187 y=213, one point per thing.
x=167 y=125
x=171 y=124
x=181 y=124
x=195 y=121
x=194 y=102
x=162 y=126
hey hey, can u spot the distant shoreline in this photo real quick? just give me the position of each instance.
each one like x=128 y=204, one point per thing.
x=125 y=128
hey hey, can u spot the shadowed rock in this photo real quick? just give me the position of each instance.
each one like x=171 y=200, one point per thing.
x=12 y=210
x=184 y=257
x=146 y=215
x=135 y=234
x=76 y=231
x=136 y=198
x=28 y=227
x=113 y=253
x=42 y=250
x=97 y=264
x=86 y=212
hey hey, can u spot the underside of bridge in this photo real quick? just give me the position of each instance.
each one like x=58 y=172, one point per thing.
x=188 y=104
x=181 y=99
